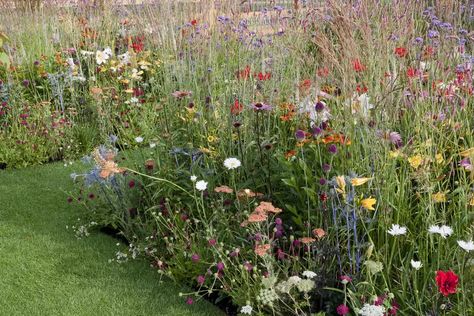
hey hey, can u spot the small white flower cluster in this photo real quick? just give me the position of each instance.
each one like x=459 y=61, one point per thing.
x=303 y=285
x=246 y=310
x=82 y=231
x=372 y=310
x=267 y=296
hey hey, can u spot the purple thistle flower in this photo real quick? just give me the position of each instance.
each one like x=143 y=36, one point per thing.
x=220 y=266
x=319 y=107
x=332 y=149
x=326 y=167
x=195 y=257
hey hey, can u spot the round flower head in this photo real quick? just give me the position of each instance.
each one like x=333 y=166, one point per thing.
x=397 y=230
x=201 y=185
x=232 y=163
x=416 y=264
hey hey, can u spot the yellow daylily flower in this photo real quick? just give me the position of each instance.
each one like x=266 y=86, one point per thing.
x=439 y=197
x=439 y=158
x=467 y=153
x=471 y=201
x=341 y=183
x=359 y=181
x=368 y=203
x=415 y=161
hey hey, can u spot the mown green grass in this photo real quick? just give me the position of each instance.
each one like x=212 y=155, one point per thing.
x=45 y=270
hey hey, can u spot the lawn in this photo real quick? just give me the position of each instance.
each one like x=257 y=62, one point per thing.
x=46 y=270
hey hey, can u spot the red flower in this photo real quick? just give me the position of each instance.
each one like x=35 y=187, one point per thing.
x=137 y=44
x=358 y=66
x=237 y=108
x=323 y=72
x=412 y=72
x=243 y=74
x=194 y=22
x=342 y=310
x=401 y=51
x=447 y=282
x=263 y=76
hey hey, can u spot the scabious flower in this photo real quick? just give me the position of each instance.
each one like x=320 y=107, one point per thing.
x=447 y=282
x=397 y=230
x=232 y=163
x=201 y=185
x=416 y=264
x=139 y=139
x=309 y=274
x=247 y=310
x=466 y=245
x=444 y=230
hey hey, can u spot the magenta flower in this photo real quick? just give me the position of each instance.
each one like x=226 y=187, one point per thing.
x=259 y=106
x=220 y=266
x=466 y=164
x=342 y=310
x=195 y=257
x=201 y=279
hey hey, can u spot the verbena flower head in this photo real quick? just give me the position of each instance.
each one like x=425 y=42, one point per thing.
x=232 y=163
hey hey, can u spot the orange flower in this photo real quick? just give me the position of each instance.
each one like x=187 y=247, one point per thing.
x=223 y=189
x=307 y=240
x=261 y=250
x=264 y=207
x=257 y=217
x=107 y=165
x=319 y=233
x=247 y=193
x=336 y=138
x=290 y=154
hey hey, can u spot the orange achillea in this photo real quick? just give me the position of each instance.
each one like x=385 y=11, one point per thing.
x=267 y=207
x=319 y=233
x=307 y=240
x=223 y=189
x=108 y=167
x=257 y=217
x=290 y=153
x=261 y=250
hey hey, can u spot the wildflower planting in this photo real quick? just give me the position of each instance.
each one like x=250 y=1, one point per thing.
x=279 y=158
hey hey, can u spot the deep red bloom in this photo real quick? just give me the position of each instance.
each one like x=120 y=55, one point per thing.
x=401 y=51
x=263 y=76
x=357 y=65
x=412 y=72
x=447 y=282
x=194 y=22
x=137 y=43
x=237 y=108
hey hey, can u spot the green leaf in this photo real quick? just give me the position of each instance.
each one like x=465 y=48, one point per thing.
x=4 y=60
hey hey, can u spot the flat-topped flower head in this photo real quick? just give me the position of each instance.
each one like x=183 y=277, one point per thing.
x=232 y=163
x=201 y=185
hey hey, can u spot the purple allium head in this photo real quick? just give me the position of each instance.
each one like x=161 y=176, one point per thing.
x=332 y=149
x=316 y=131
x=195 y=257
x=326 y=167
x=319 y=107
x=322 y=181
x=278 y=221
x=300 y=135
x=36 y=63
x=26 y=82
x=395 y=138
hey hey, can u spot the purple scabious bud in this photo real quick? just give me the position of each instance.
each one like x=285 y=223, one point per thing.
x=332 y=149
x=300 y=135
x=195 y=257
x=418 y=40
x=326 y=167
x=322 y=181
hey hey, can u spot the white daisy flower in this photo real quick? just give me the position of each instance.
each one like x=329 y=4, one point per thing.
x=201 y=185
x=232 y=163
x=193 y=178
x=444 y=230
x=139 y=139
x=466 y=245
x=397 y=230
